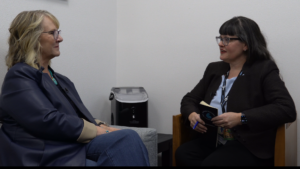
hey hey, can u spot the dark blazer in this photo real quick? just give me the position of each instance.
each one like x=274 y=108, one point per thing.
x=259 y=93
x=40 y=126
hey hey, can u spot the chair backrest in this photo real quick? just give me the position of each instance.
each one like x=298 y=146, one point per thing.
x=180 y=136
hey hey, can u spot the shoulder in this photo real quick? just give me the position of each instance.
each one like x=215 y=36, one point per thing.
x=217 y=64
x=21 y=77
x=269 y=64
x=22 y=67
x=217 y=68
x=264 y=66
x=262 y=70
x=22 y=70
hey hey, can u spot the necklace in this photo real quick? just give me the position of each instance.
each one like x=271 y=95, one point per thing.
x=53 y=79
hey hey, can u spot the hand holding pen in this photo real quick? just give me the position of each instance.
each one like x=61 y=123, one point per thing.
x=197 y=123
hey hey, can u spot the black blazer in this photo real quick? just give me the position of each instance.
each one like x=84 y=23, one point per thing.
x=40 y=126
x=259 y=93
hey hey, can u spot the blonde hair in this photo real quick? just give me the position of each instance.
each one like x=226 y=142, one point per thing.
x=25 y=31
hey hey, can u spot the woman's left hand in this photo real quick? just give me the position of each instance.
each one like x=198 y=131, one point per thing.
x=227 y=120
x=110 y=129
x=102 y=129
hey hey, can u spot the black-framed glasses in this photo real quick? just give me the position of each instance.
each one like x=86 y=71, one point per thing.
x=225 y=40
x=54 y=33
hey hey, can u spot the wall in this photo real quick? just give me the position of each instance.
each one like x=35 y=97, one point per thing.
x=88 y=52
x=165 y=45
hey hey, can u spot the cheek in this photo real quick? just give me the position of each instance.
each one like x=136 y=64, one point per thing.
x=46 y=48
x=234 y=51
x=47 y=41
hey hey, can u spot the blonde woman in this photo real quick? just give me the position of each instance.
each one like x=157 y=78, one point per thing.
x=44 y=120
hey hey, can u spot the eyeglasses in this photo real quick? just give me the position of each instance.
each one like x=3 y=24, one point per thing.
x=54 y=33
x=225 y=40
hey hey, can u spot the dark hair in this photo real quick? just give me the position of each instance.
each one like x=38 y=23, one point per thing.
x=249 y=33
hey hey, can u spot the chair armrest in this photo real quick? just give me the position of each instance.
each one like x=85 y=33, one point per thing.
x=279 y=153
x=149 y=138
x=180 y=134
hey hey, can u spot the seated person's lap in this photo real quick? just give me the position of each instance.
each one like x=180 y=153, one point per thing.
x=117 y=148
x=233 y=153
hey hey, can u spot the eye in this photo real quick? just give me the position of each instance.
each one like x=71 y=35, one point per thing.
x=51 y=32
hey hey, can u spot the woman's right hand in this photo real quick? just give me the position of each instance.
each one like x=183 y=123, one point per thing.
x=193 y=118
x=103 y=129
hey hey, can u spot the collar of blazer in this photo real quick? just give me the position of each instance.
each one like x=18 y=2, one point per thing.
x=68 y=88
x=225 y=67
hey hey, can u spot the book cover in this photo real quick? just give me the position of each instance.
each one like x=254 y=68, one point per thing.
x=207 y=112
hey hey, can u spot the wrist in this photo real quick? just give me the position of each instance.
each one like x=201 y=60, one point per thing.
x=243 y=119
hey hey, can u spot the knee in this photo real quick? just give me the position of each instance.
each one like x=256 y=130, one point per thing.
x=129 y=133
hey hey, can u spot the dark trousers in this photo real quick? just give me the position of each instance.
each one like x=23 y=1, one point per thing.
x=233 y=153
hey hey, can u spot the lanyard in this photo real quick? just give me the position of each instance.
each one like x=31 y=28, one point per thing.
x=223 y=98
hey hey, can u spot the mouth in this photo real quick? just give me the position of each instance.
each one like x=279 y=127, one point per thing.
x=222 y=51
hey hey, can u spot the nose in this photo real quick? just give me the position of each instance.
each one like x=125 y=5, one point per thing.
x=221 y=43
x=59 y=39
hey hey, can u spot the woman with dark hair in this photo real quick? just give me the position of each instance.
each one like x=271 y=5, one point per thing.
x=251 y=99
x=45 y=123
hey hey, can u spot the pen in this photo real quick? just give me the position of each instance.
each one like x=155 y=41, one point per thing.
x=195 y=125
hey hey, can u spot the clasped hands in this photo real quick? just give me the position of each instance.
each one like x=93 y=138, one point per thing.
x=226 y=120
x=102 y=129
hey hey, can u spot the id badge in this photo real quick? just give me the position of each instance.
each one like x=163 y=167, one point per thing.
x=226 y=133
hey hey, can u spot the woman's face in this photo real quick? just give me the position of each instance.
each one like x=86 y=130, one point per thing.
x=50 y=46
x=234 y=51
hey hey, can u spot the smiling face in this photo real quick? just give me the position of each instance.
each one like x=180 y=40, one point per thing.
x=49 y=46
x=234 y=51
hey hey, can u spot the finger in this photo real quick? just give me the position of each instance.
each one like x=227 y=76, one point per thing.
x=193 y=125
x=217 y=123
x=201 y=128
x=202 y=122
x=199 y=120
x=216 y=118
x=219 y=117
x=114 y=129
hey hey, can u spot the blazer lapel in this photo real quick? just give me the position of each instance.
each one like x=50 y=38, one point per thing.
x=69 y=92
x=239 y=89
